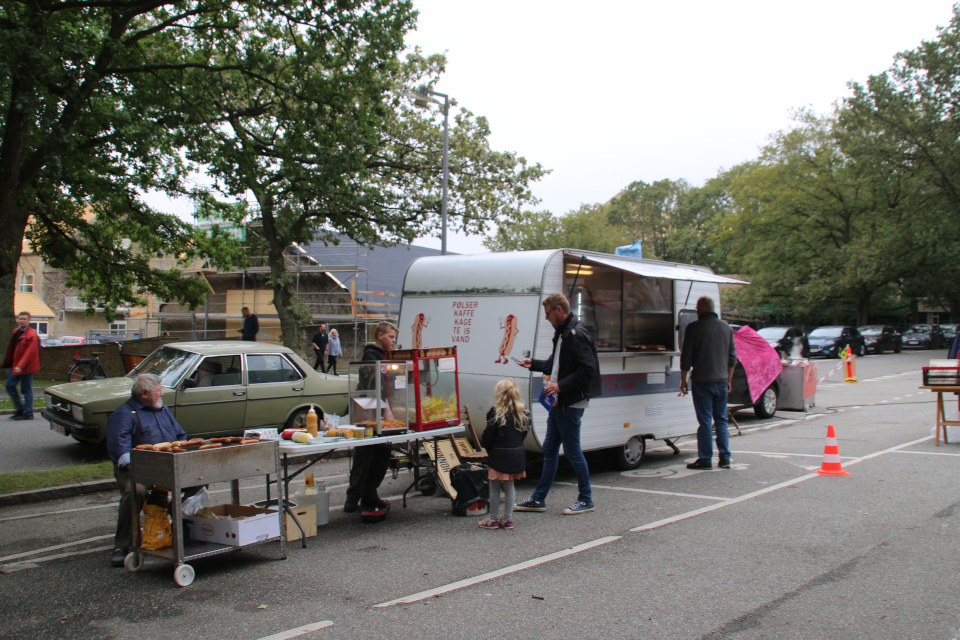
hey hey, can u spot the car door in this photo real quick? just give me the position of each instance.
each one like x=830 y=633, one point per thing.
x=274 y=388
x=212 y=398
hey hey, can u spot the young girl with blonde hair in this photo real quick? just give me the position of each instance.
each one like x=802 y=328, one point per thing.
x=507 y=426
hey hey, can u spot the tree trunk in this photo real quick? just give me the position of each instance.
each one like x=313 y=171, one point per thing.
x=284 y=300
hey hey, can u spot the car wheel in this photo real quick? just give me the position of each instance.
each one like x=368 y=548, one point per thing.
x=629 y=455
x=766 y=404
x=897 y=348
x=858 y=351
x=299 y=419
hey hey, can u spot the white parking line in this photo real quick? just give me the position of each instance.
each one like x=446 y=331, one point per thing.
x=533 y=562
x=299 y=631
x=798 y=455
x=930 y=453
x=634 y=490
x=760 y=492
x=58 y=546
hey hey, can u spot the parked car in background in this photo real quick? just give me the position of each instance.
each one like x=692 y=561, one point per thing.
x=216 y=388
x=924 y=336
x=78 y=340
x=878 y=338
x=50 y=342
x=949 y=333
x=787 y=341
x=830 y=341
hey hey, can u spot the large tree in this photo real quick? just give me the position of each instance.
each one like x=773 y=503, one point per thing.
x=812 y=227
x=334 y=144
x=905 y=124
x=94 y=115
x=585 y=228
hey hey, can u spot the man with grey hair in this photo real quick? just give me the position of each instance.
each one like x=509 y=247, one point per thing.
x=709 y=349
x=143 y=419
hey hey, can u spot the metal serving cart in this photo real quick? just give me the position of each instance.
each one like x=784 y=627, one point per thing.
x=178 y=471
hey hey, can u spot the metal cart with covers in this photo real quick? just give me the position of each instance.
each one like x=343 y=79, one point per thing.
x=178 y=471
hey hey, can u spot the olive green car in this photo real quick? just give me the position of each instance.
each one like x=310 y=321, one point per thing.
x=215 y=388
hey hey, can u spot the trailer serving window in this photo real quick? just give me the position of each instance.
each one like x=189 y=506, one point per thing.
x=624 y=311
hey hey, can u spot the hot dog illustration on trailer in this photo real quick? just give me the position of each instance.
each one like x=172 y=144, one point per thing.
x=420 y=322
x=510 y=331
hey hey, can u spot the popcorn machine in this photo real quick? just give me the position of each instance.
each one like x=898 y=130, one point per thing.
x=432 y=374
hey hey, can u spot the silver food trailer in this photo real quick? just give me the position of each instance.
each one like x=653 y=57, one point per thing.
x=490 y=307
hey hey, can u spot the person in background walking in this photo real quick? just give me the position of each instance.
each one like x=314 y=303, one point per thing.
x=250 y=327
x=574 y=371
x=23 y=360
x=334 y=351
x=709 y=349
x=507 y=425
x=319 y=344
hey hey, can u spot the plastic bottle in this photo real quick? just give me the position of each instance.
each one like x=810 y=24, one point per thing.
x=312 y=422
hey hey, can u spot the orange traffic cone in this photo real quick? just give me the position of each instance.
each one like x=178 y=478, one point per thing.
x=831 y=456
x=851 y=366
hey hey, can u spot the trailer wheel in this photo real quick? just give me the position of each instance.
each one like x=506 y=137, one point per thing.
x=629 y=455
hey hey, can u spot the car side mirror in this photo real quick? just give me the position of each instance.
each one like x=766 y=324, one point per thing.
x=189 y=383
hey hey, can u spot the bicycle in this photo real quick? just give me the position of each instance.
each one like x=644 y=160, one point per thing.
x=86 y=368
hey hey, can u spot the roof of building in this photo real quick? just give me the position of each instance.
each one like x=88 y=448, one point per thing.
x=378 y=268
x=31 y=303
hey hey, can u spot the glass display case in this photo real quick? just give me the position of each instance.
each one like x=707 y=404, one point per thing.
x=379 y=396
x=434 y=384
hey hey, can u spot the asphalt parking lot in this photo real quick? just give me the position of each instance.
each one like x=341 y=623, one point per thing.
x=767 y=549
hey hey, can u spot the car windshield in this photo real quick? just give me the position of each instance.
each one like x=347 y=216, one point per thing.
x=872 y=330
x=826 y=332
x=772 y=333
x=919 y=328
x=168 y=363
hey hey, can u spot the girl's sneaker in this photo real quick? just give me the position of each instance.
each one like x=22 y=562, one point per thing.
x=490 y=522
x=506 y=523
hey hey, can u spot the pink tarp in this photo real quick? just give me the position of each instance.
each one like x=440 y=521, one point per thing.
x=760 y=361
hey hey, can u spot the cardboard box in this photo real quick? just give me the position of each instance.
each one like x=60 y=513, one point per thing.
x=258 y=525
x=307 y=516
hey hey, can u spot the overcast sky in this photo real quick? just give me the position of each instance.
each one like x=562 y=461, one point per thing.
x=609 y=92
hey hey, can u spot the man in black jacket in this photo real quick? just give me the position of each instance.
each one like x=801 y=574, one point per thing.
x=709 y=349
x=370 y=462
x=574 y=372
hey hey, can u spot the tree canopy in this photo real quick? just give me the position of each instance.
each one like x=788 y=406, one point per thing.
x=300 y=105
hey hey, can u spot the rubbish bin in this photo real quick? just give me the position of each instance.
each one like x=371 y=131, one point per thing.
x=798 y=386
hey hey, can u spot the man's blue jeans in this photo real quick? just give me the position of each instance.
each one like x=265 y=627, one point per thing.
x=563 y=427
x=710 y=403
x=26 y=386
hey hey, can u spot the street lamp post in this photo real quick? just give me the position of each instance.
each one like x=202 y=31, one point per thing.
x=423 y=99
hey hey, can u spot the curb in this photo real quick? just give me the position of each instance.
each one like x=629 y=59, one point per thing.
x=54 y=493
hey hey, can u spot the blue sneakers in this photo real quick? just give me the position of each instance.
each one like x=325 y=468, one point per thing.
x=530 y=505
x=578 y=507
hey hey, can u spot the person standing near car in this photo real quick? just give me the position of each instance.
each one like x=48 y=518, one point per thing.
x=319 y=344
x=23 y=360
x=143 y=419
x=709 y=349
x=574 y=371
x=250 y=326
x=334 y=351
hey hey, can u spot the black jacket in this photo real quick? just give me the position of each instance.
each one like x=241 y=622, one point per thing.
x=504 y=444
x=579 y=372
x=365 y=377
